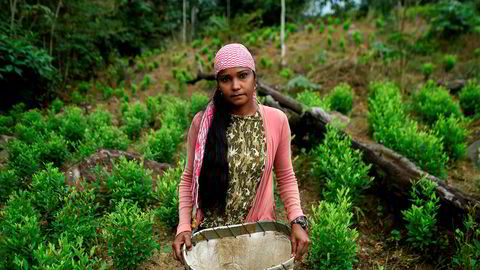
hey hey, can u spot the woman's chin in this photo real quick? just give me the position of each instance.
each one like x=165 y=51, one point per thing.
x=239 y=100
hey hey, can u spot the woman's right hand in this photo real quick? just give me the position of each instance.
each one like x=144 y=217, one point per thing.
x=180 y=239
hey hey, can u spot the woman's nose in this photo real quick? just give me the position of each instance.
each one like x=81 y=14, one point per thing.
x=235 y=84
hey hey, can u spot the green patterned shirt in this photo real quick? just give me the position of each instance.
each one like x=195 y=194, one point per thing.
x=246 y=163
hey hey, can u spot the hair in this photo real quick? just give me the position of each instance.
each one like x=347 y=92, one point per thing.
x=214 y=175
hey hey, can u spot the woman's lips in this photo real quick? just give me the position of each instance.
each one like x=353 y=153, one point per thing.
x=238 y=95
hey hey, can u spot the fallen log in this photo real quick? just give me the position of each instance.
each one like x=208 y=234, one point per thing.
x=398 y=169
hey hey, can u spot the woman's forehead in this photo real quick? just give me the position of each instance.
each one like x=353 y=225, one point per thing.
x=233 y=71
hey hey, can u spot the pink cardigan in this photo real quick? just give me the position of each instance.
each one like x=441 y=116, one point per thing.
x=277 y=132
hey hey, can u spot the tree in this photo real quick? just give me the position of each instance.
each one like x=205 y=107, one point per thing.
x=184 y=33
x=282 y=33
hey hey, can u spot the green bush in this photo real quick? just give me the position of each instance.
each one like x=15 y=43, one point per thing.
x=392 y=127
x=135 y=119
x=147 y=80
x=77 y=98
x=130 y=181
x=451 y=18
x=333 y=240
x=454 y=134
x=470 y=98
x=78 y=217
x=48 y=190
x=9 y=182
x=340 y=166
x=198 y=102
x=427 y=70
x=309 y=27
x=161 y=144
x=301 y=83
x=6 y=124
x=57 y=105
x=150 y=66
x=99 y=118
x=197 y=43
x=476 y=53
x=83 y=87
x=379 y=23
x=449 y=61
x=153 y=108
x=17 y=110
x=139 y=67
x=119 y=92
x=468 y=245
x=108 y=137
x=167 y=86
x=68 y=254
x=33 y=119
x=341 y=44
x=134 y=89
x=129 y=235
x=107 y=93
x=357 y=37
x=73 y=124
x=176 y=114
x=53 y=148
x=341 y=98
x=312 y=99
x=291 y=27
x=28 y=134
x=431 y=101
x=265 y=62
x=422 y=215
x=23 y=158
x=21 y=231
x=329 y=41
x=286 y=73
x=346 y=25
x=166 y=195
x=321 y=28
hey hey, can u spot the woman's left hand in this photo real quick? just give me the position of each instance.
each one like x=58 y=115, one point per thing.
x=300 y=241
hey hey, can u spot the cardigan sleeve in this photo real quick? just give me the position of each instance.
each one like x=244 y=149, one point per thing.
x=185 y=186
x=286 y=180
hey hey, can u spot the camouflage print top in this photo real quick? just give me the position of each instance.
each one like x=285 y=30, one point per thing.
x=246 y=160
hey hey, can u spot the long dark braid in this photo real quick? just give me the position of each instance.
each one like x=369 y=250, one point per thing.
x=214 y=176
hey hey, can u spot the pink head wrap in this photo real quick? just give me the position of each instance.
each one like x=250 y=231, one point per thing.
x=231 y=55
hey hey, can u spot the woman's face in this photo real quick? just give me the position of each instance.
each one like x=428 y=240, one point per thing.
x=237 y=85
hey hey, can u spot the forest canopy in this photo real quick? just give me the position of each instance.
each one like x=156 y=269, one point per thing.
x=44 y=43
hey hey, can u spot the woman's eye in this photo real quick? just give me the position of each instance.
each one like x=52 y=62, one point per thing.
x=243 y=75
x=224 y=79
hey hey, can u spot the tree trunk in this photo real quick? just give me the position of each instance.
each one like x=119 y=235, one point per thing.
x=193 y=15
x=184 y=32
x=228 y=10
x=398 y=170
x=282 y=34
x=60 y=4
x=13 y=10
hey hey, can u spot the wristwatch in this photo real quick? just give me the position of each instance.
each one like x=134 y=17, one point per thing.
x=302 y=221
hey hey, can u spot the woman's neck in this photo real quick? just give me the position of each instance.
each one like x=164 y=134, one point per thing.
x=247 y=109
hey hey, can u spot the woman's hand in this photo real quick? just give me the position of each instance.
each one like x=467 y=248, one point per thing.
x=180 y=239
x=300 y=241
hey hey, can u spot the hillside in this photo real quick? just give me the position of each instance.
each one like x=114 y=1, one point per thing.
x=384 y=76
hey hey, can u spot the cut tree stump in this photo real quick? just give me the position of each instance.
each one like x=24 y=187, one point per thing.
x=397 y=169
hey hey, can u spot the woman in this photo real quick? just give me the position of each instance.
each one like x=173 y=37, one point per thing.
x=232 y=148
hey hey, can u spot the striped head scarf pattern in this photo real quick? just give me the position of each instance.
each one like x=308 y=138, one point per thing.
x=231 y=55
